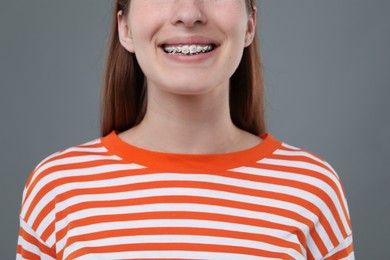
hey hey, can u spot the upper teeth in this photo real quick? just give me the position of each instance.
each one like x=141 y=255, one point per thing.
x=188 y=49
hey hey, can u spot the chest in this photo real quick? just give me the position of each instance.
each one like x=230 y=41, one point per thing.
x=183 y=219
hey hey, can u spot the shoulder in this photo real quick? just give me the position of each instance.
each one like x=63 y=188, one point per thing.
x=301 y=161
x=310 y=173
x=315 y=186
x=307 y=176
x=69 y=158
x=60 y=168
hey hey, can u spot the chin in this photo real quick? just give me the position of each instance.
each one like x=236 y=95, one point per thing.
x=191 y=85
x=191 y=88
x=189 y=91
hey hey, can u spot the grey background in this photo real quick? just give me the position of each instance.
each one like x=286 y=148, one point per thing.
x=327 y=79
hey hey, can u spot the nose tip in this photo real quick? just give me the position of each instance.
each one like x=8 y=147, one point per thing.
x=188 y=13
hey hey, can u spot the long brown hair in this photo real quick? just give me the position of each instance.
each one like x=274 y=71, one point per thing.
x=124 y=94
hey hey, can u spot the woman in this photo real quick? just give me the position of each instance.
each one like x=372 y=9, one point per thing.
x=184 y=169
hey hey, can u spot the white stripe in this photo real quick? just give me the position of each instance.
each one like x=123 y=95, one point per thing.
x=47 y=159
x=67 y=173
x=330 y=167
x=351 y=256
x=26 y=245
x=98 y=150
x=341 y=190
x=193 y=177
x=48 y=219
x=298 y=153
x=175 y=223
x=290 y=147
x=202 y=240
x=296 y=177
x=72 y=160
x=182 y=207
x=52 y=239
x=308 y=180
x=200 y=193
x=193 y=192
x=303 y=165
x=170 y=254
x=318 y=169
x=29 y=230
x=344 y=244
x=336 y=179
x=92 y=142
x=186 y=207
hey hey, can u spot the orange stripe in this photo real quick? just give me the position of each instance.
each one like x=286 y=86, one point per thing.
x=183 y=199
x=26 y=254
x=188 y=166
x=171 y=215
x=166 y=162
x=32 y=240
x=341 y=254
x=309 y=188
x=303 y=158
x=184 y=231
x=68 y=180
x=318 y=241
x=181 y=247
x=309 y=255
x=314 y=174
x=172 y=184
x=57 y=182
x=65 y=154
x=64 y=167
x=186 y=199
x=163 y=184
x=49 y=230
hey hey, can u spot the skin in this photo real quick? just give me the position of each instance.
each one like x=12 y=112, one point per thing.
x=188 y=96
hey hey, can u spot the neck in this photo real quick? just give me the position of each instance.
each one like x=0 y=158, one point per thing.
x=198 y=124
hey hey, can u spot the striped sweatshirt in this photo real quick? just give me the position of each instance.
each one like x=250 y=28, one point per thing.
x=107 y=199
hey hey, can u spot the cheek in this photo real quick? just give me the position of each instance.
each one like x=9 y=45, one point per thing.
x=236 y=34
x=145 y=22
x=233 y=20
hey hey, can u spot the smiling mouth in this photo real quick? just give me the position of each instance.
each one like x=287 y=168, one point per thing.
x=193 y=49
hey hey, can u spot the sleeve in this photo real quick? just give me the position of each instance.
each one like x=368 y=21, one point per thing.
x=36 y=232
x=331 y=233
x=30 y=245
x=329 y=230
x=343 y=251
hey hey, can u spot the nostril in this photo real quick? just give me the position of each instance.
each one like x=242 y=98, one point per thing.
x=188 y=15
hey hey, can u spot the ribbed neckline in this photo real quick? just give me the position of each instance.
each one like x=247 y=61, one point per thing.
x=189 y=162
